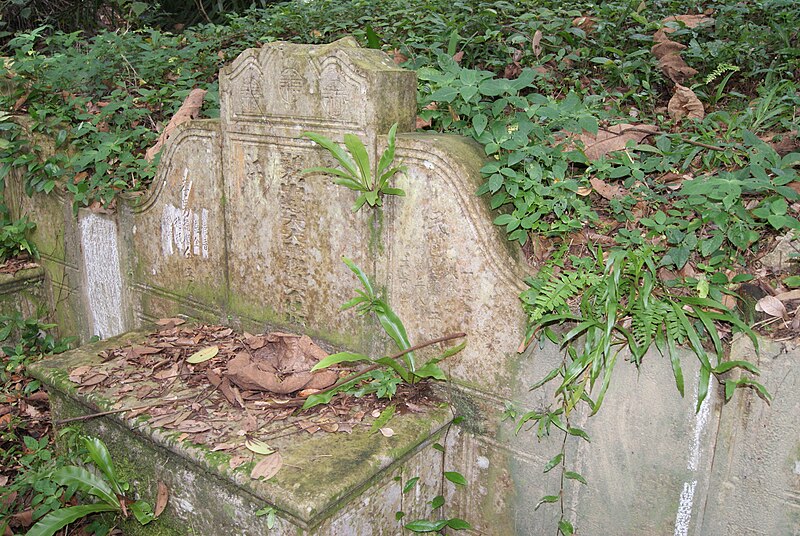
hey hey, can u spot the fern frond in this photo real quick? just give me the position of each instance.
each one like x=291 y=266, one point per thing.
x=554 y=294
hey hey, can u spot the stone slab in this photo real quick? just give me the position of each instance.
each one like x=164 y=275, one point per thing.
x=329 y=483
x=24 y=292
x=174 y=236
x=755 y=480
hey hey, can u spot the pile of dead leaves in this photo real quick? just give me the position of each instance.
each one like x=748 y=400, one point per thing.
x=227 y=390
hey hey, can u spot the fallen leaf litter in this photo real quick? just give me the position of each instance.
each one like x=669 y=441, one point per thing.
x=237 y=395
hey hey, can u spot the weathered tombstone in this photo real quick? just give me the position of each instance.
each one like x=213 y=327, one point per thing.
x=233 y=231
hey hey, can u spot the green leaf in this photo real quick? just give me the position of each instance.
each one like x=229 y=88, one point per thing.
x=341 y=357
x=494 y=87
x=410 y=484
x=102 y=459
x=382 y=419
x=455 y=477
x=566 y=527
x=395 y=329
x=546 y=499
x=430 y=370
x=424 y=525
x=361 y=277
x=553 y=462
x=793 y=281
x=728 y=365
x=578 y=432
x=55 y=521
x=143 y=512
x=445 y=94
x=359 y=153
x=437 y=502
x=203 y=355
x=333 y=148
x=397 y=367
x=479 y=122
x=388 y=154
x=458 y=524
x=372 y=38
x=572 y=475
x=86 y=482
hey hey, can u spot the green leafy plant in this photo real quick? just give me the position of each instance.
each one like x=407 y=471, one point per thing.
x=14 y=240
x=436 y=504
x=357 y=173
x=385 y=373
x=106 y=487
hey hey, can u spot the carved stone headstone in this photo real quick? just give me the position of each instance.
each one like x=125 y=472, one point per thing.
x=288 y=230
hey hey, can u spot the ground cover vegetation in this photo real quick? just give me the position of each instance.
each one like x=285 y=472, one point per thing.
x=643 y=154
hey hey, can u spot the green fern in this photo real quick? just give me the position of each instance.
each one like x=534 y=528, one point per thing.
x=554 y=294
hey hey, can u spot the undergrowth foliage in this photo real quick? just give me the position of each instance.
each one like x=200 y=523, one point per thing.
x=640 y=250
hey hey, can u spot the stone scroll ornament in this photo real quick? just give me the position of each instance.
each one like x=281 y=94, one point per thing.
x=280 y=363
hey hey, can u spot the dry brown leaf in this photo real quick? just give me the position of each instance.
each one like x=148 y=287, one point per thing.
x=684 y=103
x=584 y=23
x=189 y=110
x=669 y=59
x=771 y=306
x=22 y=519
x=146 y=350
x=458 y=56
x=282 y=366
x=728 y=301
x=422 y=123
x=536 y=43
x=223 y=446
x=268 y=467
x=193 y=427
x=346 y=427
x=691 y=21
x=94 y=379
x=77 y=373
x=329 y=427
x=387 y=432
x=236 y=461
x=608 y=191
x=164 y=420
x=399 y=57
x=614 y=138
x=788 y=296
x=166 y=374
x=171 y=322
x=161 y=499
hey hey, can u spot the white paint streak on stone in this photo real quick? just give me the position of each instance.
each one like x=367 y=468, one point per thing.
x=428 y=165
x=103 y=274
x=700 y=421
x=195 y=234
x=797 y=467
x=684 y=517
x=204 y=232
x=184 y=231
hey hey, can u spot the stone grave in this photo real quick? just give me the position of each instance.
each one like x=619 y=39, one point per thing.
x=232 y=232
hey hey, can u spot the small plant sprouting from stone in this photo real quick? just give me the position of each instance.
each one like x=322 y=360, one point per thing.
x=356 y=172
x=268 y=511
x=385 y=373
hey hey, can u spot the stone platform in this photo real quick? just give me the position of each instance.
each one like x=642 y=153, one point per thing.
x=329 y=483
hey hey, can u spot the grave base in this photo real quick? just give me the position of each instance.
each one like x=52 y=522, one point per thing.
x=329 y=484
